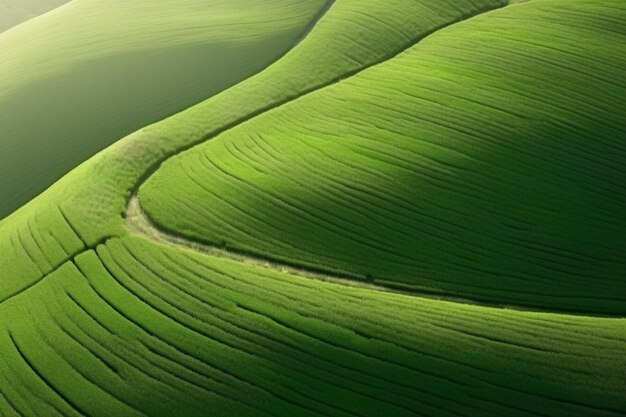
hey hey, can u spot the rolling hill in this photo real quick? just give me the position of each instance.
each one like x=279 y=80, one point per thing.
x=76 y=80
x=435 y=171
x=405 y=208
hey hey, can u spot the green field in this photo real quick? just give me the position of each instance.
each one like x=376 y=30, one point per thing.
x=76 y=80
x=14 y=12
x=398 y=208
x=423 y=170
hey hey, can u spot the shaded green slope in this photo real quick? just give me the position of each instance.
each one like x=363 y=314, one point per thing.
x=14 y=12
x=141 y=329
x=487 y=162
x=75 y=80
x=86 y=206
x=99 y=323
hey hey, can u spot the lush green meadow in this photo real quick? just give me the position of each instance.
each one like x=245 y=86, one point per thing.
x=398 y=208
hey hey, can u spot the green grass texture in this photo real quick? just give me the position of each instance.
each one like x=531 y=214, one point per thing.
x=400 y=208
x=76 y=80
x=476 y=162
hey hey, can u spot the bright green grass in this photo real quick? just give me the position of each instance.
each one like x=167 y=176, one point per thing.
x=142 y=329
x=487 y=161
x=96 y=322
x=14 y=12
x=85 y=207
x=77 y=79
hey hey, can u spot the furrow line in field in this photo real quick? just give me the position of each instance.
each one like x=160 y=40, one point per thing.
x=395 y=382
x=214 y=192
x=60 y=265
x=199 y=362
x=73 y=228
x=8 y=400
x=44 y=272
x=139 y=357
x=305 y=92
x=44 y=380
x=343 y=201
x=132 y=357
x=200 y=276
x=210 y=191
x=342 y=197
x=281 y=197
x=43 y=335
x=29 y=254
x=437 y=395
x=99 y=357
x=475 y=137
x=508 y=388
x=290 y=207
x=524 y=73
x=59 y=242
x=457 y=128
x=298 y=302
x=33 y=235
x=195 y=329
x=294 y=346
x=23 y=391
x=444 y=358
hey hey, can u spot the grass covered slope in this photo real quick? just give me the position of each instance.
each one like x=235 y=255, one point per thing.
x=85 y=207
x=137 y=328
x=74 y=81
x=98 y=322
x=14 y=12
x=485 y=162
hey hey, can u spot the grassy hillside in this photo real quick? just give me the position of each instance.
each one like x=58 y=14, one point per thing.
x=384 y=110
x=136 y=328
x=14 y=12
x=437 y=170
x=86 y=207
x=74 y=81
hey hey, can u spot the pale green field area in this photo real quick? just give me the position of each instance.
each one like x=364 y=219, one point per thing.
x=398 y=208
x=14 y=12
x=79 y=78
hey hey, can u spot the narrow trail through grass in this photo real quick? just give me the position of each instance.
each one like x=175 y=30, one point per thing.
x=137 y=221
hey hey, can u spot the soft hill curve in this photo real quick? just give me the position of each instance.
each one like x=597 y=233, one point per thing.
x=75 y=80
x=396 y=111
x=487 y=161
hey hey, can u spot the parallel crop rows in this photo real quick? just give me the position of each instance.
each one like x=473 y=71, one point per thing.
x=436 y=170
x=411 y=144
x=199 y=331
